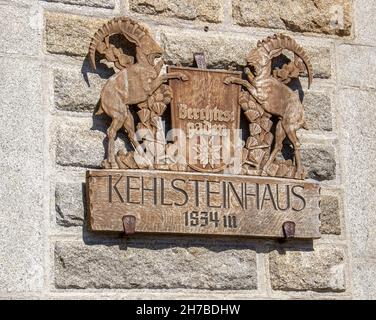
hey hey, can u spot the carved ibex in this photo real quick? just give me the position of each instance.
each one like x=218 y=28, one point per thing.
x=134 y=83
x=275 y=97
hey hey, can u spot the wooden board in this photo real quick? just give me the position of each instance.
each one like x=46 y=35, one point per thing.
x=206 y=204
x=207 y=113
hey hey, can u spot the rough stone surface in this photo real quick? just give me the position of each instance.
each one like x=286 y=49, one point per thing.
x=100 y=266
x=78 y=145
x=89 y=3
x=318 y=270
x=357 y=132
x=74 y=93
x=20 y=30
x=320 y=162
x=222 y=51
x=80 y=141
x=69 y=204
x=209 y=10
x=318 y=111
x=328 y=17
x=321 y=61
x=330 y=215
x=70 y=34
x=365 y=21
x=364 y=274
x=357 y=66
x=22 y=175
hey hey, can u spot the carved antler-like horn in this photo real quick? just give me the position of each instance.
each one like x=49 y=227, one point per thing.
x=132 y=31
x=285 y=42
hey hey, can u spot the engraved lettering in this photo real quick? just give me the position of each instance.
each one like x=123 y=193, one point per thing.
x=129 y=188
x=284 y=196
x=114 y=187
x=180 y=190
x=299 y=197
x=268 y=190
x=163 y=194
x=209 y=192
x=153 y=189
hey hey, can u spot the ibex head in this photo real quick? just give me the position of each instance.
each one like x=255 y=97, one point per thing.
x=272 y=47
x=150 y=49
x=258 y=59
x=134 y=32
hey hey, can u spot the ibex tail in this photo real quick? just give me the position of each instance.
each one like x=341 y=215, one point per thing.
x=100 y=110
x=305 y=126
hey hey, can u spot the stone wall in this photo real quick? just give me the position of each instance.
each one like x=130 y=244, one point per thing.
x=50 y=137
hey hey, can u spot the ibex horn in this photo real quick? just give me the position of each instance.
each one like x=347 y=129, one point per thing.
x=126 y=26
x=285 y=42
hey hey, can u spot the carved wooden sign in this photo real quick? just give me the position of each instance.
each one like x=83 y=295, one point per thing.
x=202 y=203
x=194 y=168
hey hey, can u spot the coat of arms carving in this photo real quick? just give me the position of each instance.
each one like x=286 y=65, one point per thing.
x=206 y=154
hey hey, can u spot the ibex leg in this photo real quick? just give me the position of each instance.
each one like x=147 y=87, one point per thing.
x=130 y=129
x=251 y=89
x=291 y=134
x=163 y=78
x=280 y=135
x=116 y=124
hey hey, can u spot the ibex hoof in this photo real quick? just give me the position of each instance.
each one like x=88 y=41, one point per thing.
x=109 y=165
x=300 y=175
x=264 y=173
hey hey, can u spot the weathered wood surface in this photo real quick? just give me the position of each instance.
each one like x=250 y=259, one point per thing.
x=207 y=112
x=194 y=203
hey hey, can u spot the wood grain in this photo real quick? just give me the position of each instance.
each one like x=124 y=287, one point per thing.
x=205 y=204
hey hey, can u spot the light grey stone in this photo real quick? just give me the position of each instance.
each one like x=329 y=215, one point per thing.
x=222 y=51
x=153 y=267
x=321 y=61
x=70 y=34
x=20 y=29
x=320 y=162
x=109 y=4
x=357 y=66
x=364 y=275
x=80 y=141
x=78 y=145
x=69 y=204
x=209 y=10
x=74 y=93
x=22 y=175
x=330 y=215
x=357 y=138
x=318 y=110
x=365 y=21
x=320 y=270
x=328 y=17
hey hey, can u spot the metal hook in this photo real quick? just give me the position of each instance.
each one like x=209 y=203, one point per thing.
x=129 y=225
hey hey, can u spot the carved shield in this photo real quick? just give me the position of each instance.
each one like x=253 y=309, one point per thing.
x=206 y=115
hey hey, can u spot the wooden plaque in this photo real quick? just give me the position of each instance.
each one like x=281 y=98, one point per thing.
x=192 y=173
x=193 y=203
